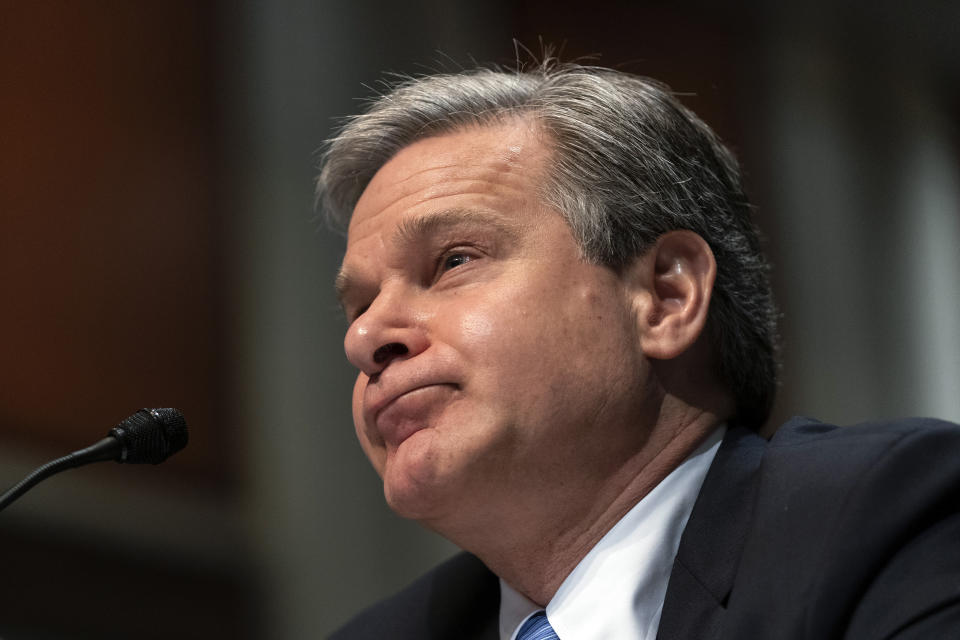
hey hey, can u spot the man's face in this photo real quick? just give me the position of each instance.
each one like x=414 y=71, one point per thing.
x=495 y=363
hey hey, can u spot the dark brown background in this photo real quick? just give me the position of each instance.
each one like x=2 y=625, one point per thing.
x=157 y=247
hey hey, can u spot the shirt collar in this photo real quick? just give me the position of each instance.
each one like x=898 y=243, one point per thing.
x=625 y=575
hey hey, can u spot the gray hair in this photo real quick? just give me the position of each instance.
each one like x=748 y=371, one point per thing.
x=629 y=164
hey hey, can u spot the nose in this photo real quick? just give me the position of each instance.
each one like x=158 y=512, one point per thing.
x=387 y=331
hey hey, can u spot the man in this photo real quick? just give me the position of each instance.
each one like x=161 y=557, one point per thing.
x=565 y=341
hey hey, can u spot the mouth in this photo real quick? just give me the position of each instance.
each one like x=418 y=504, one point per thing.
x=400 y=416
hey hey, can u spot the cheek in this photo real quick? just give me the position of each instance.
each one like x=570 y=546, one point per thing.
x=553 y=335
x=491 y=334
x=476 y=327
x=375 y=453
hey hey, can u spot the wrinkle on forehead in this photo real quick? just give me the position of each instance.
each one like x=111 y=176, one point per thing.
x=499 y=156
x=509 y=160
x=419 y=172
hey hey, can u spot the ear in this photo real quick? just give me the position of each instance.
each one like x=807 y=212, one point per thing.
x=671 y=286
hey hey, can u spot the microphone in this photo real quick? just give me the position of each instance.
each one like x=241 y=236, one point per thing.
x=148 y=436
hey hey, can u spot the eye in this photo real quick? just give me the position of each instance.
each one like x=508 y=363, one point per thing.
x=453 y=260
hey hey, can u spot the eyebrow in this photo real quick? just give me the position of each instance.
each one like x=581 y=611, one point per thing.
x=414 y=230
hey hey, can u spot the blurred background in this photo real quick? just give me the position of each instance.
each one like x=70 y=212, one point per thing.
x=159 y=247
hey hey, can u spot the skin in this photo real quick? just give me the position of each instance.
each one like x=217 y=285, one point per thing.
x=514 y=397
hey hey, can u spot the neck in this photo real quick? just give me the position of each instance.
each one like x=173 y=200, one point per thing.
x=540 y=539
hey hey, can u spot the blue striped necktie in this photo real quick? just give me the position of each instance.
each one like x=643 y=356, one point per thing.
x=537 y=628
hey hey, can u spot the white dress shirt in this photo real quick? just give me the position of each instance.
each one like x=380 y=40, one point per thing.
x=617 y=590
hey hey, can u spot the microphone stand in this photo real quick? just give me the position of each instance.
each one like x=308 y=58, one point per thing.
x=149 y=435
x=107 y=449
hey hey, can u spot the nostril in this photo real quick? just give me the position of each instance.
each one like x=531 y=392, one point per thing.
x=388 y=351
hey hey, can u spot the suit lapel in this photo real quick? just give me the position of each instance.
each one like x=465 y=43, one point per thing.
x=712 y=541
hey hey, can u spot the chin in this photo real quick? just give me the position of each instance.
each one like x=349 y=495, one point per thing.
x=414 y=499
x=416 y=483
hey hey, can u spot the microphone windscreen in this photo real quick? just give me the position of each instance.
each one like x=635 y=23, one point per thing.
x=151 y=435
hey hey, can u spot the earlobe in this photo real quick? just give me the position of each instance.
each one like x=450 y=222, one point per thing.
x=676 y=279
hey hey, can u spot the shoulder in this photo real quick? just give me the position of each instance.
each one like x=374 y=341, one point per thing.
x=861 y=523
x=807 y=446
x=799 y=431
x=834 y=483
x=459 y=598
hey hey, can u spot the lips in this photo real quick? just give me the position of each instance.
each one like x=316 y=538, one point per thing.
x=397 y=414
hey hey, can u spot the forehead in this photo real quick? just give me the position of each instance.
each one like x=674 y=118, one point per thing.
x=491 y=166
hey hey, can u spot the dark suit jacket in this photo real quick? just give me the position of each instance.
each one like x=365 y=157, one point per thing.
x=823 y=532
